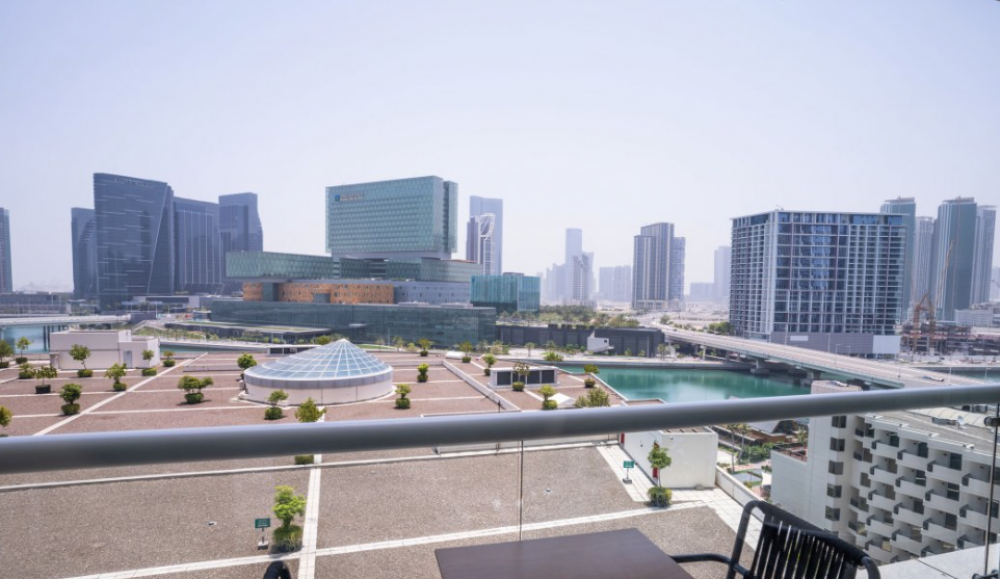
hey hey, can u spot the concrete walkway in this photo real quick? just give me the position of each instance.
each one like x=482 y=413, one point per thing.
x=615 y=456
x=310 y=527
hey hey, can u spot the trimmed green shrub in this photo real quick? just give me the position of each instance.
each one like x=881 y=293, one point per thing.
x=402 y=403
x=549 y=405
x=659 y=496
x=4 y=365
x=304 y=459
x=422 y=372
x=20 y=360
x=194 y=397
x=192 y=388
x=589 y=382
x=85 y=373
x=423 y=353
x=487 y=371
x=287 y=506
x=22 y=375
x=552 y=357
x=119 y=386
x=149 y=371
x=70 y=409
x=70 y=393
x=466 y=359
x=518 y=386
x=5 y=417
x=168 y=363
x=287 y=538
x=273 y=413
x=309 y=412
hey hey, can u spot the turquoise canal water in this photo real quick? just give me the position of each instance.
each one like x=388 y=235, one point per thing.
x=694 y=385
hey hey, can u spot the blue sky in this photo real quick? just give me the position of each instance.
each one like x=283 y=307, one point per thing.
x=599 y=115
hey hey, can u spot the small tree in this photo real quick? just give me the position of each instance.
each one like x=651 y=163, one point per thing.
x=425 y=345
x=116 y=372
x=287 y=506
x=595 y=398
x=148 y=355
x=552 y=357
x=6 y=351
x=168 y=358
x=70 y=393
x=422 y=373
x=490 y=359
x=530 y=346
x=466 y=347
x=192 y=387
x=245 y=362
x=308 y=412
x=26 y=372
x=80 y=354
x=547 y=392
x=44 y=373
x=399 y=342
x=322 y=340
x=591 y=370
x=23 y=343
x=521 y=370
x=403 y=403
x=5 y=417
x=737 y=429
x=274 y=411
x=659 y=460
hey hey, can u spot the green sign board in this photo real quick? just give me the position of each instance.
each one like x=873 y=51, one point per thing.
x=629 y=464
x=261 y=523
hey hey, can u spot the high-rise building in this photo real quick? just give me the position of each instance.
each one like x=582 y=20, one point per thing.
x=581 y=276
x=135 y=238
x=651 y=266
x=702 y=291
x=982 y=255
x=606 y=282
x=240 y=228
x=907 y=207
x=574 y=244
x=481 y=243
x=198 y=251
x=6 y=277
x=723 y=264
x=483 y=206
x=677 y=251
x=623 y=283
x=404 y=218
x=825 y=281
x=995 y=289
x=923 y=252
x=954 y=250
x=84 y=232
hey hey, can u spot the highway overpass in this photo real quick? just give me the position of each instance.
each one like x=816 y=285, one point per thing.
x=892 y=375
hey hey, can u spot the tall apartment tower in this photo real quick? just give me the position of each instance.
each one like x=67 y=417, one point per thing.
x=923 y=252
x=954 y=251
x=581 y=276
x=198 y=248
x=982 y=255
x=723 y=265
x=84 y=231
x=480 y=243
x=135 y=238
x=907 y=207
x=240 y=229
x=574 y=244
x=404 y=218
x=6 y=277
x=651 y=256
x=479 y=206
x=818 y=280
x=616 y=283
x=677 y=252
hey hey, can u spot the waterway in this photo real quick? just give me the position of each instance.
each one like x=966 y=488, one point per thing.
x=695 y=385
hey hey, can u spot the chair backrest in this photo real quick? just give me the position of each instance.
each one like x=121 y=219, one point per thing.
x=791 y=548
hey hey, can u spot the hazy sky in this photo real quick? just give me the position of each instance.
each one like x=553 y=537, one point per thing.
x=599 y=115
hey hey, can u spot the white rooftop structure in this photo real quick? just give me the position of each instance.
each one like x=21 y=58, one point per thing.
x=336 y=373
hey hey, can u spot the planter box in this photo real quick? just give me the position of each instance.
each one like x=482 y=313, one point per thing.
x=47 y=389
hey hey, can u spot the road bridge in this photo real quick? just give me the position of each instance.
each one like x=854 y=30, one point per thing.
x=871 y=372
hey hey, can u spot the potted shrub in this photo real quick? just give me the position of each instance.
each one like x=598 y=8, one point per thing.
x=245 y=362
x=522 y=371
x=70 y=393
x=148 y=355
x=44 y=373
x=425 y=345
x=403 y=403
x=192 y=387
x=308 y=412
x=5 y=417
x=6 y=351
x=80 y=354
x=592 y=370
x=287 y=506
x=466 y=348
x=490 y=359
x=547 y=392
x=168 y=359
x=422 y=373
x=25 y=371
x=22 y=344
x=274 y=412
x=116 y=372
x=659 y=460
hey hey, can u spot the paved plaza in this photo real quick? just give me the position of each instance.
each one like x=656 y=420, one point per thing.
x=368 y=514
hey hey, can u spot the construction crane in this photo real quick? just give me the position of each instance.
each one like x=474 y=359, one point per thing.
x=926 y=304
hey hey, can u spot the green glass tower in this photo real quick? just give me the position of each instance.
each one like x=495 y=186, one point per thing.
x=405 y=218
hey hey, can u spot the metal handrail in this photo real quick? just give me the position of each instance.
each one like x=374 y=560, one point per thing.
x=111 y=449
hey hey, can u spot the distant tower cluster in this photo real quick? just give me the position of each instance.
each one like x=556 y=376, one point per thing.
x=571 y=282
x=140 y=240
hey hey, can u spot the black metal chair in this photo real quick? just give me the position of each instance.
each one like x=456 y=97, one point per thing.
x=789 y=548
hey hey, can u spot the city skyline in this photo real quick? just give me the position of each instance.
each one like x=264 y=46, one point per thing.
x=181 y=123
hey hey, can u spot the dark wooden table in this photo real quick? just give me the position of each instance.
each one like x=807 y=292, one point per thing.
x=624 y=554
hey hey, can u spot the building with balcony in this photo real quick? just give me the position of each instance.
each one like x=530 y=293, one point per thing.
x=900 y=485
x=824 y=281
